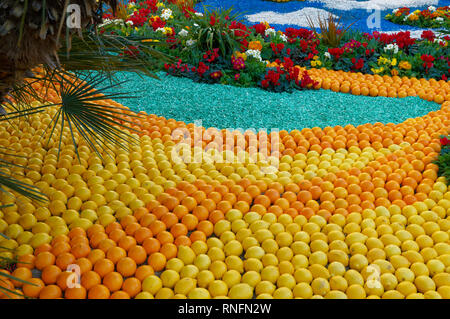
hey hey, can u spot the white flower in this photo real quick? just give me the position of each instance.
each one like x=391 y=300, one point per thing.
x=190 y=42
x=129 y=22
x=183 y=33
x=391 y=47
x=199 y=14
x=254 y=53
x=431 y=8
x=163 y=30
x=394 y=11
x=195 y=25
x=108 y=22
x=440 y=19
x=283 y=37
x=165 y=14
x=270 y=31
x=327 y=55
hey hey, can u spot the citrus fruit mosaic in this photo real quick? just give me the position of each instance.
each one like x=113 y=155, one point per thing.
x=183 y=211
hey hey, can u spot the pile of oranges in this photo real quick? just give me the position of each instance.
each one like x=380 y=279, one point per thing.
x=350 y=212
x=376 y=85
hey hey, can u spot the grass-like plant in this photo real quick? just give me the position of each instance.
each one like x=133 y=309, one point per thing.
x=331 y=29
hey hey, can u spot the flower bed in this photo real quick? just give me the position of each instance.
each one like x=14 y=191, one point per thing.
x=215 y=47
x=431 y=17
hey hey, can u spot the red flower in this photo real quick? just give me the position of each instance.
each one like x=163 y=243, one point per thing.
x=212 y=20
x=216 y=75
x=260 y=28
x=445 y=141
x=429 y=35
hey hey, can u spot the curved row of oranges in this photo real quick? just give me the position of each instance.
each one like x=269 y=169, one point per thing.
x=342 y=197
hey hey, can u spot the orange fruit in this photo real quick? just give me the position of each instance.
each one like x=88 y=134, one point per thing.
x=113 y=281
x=50 y=292
x=115 y=254
x=126 y=266
x=21 y=273
x=169 y=250
x=64 y=260
x=90 y=279
x=138 y=254
x=143 y=272
x=127 y=242
x=103 y=267
x=50 y=274
x=44 y=259
x=157 y=261
x=132 y=286
x=75 y=293
x=119 y=295
x=80 y=250
x=142 y=234
x=60 y=247
x=26 y=261
x=98 y=292
x=190 y=221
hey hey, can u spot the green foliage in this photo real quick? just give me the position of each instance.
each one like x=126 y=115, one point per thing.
x=443 y=160
x=211 y=31
x=331 y=30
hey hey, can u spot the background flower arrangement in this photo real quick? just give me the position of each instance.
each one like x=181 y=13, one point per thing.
x=216 y=47
x=431 y=17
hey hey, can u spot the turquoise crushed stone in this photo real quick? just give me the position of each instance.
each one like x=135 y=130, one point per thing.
x=224 y=106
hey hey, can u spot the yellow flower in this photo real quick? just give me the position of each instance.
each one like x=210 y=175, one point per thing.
x=405 y=65
x=315 y=57
x=266 y=24
x=316 y=63
x=383 y=60
x=238 y=54
x=413 y=17
x=379 y=70
x=160 y=4
x=394 y=62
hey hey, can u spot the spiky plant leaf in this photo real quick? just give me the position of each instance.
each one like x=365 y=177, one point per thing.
x=82 y=110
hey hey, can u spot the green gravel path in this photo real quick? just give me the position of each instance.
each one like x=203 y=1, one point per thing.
x=224 y=106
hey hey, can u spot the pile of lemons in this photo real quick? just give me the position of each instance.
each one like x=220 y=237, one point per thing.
x=382 y=253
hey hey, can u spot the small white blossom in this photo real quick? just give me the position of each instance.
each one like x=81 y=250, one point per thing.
x=440 y=19
x=254 y=53
x=394 y=11
x=166 y=14
x=283 y=37
x=391 y=47
x=270 y=31
x=163 y=30
x=108 y=22
x=431 y=8
x=129 y=22
x=183 y=33
x=327 y=55
x=190 y=42
x=199 y=14
x=195 y=25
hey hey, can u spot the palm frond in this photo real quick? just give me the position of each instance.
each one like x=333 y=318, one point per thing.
x=108 y=53
x=83 y=110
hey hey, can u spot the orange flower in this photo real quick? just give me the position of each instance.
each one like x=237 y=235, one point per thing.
x=255 y=45
x=394 y=72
